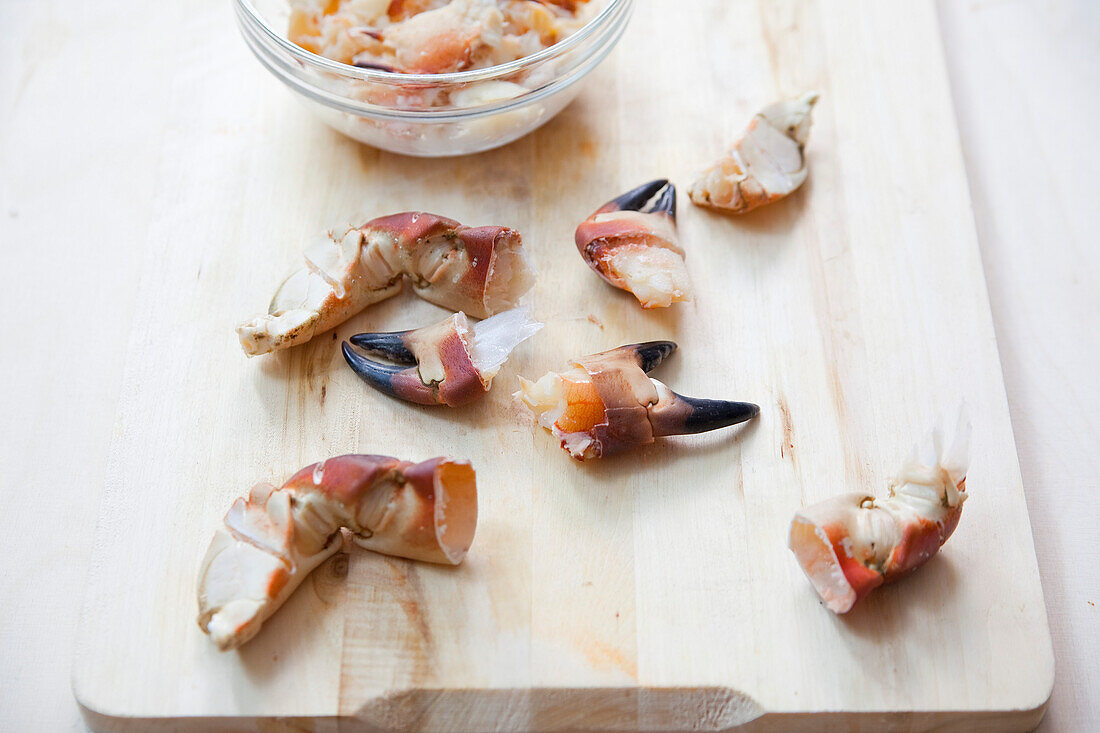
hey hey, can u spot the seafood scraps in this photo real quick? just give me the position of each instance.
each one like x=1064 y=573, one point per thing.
x=273 y=539
x=631 y=243
x=605 y=403
x=851 y=544
x=450 y=363
x=765 y=164
x=433 y=36
x=480 y=271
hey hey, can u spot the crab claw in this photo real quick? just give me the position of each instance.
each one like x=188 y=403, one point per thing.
x=676 y=414
x=851 y=544
x=636 y=199
x=451 y=363
x=270 y=541
x=631 y=242
x=604 y=403
x=479 y=270
x=390 y=345
x=766 y=163
x=651 y=353
x=401 y=382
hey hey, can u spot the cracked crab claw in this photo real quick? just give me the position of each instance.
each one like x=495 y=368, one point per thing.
x=631 y=243
x=605 y=403
x=765 y=164
x=273 y=539
x=450 y=363
x=853 y=543
x=481 y=271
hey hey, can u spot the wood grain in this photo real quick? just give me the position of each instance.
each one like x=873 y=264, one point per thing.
x=651 y=591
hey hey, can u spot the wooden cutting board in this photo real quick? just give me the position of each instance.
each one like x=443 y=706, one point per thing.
x=651 y=591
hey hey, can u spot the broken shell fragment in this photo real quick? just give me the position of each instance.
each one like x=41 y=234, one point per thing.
x=853 y=543
x=766 y=162
x=450 y=363
x=272 y=540
x=480 y=271
x=605 y=403
x=631 y=242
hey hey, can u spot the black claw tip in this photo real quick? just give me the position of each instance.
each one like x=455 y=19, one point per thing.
x=652 y=353
x=665 y=203
x=390 y=345
x=635 y=199
x=374 y=373
x=708 y=415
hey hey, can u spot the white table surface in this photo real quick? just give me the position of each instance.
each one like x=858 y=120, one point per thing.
x=82 y=89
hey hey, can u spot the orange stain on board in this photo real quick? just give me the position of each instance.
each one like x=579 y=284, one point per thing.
x=786 y=448
x=602 y=656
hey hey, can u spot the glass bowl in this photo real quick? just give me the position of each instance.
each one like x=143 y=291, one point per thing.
x=433 y=115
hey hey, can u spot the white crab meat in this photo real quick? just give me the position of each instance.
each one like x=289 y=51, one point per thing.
x=766 y=163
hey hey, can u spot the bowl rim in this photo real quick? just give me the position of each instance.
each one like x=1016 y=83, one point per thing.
x=457 y=77
x=341 y=103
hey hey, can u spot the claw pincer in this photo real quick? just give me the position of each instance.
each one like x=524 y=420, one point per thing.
x=632 y=244
x=441 y=372
x=449 y=363
x=606 y=403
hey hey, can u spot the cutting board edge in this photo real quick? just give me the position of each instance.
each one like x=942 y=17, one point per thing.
x=182 y=723
x=974 y=721
x=750 y=718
